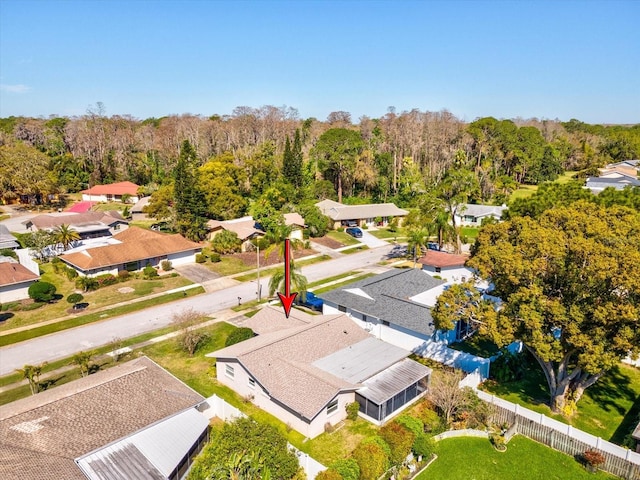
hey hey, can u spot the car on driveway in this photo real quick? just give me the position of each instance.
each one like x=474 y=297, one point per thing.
x=354 y=232
x=310 y=301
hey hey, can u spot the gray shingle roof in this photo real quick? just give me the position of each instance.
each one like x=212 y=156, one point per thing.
x=337 y=211
x=6 y=239
x=40 y=436
x=390 y=298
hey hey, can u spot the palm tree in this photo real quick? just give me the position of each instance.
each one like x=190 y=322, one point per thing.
x=65 y=236
x=298 y=282
x=32 y=374
x=241 y=466
x=417 y=239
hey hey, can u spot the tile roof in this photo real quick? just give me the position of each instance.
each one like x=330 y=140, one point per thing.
x=388 y=297
x=12 y=273
x=137 y=244
x=75 y=219
x=337 y=211
x=40 y=436
x=119 y=188
x=434 y=258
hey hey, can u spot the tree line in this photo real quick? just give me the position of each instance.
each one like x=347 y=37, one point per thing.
x=395 y=157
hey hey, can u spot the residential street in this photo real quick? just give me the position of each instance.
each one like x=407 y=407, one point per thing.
x=68 y=342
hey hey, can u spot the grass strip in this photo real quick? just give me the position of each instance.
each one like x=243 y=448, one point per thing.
x=94 y=317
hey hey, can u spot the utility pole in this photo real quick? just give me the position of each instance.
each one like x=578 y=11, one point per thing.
x=258 y=271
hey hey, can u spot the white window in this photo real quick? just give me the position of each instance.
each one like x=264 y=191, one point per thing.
x=332 y=407
x=252 y=383
x=228 y=370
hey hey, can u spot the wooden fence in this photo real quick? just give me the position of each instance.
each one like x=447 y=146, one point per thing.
x=559 y=436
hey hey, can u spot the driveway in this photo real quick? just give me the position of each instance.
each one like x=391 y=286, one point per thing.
x=371 y=241
x=196 y=273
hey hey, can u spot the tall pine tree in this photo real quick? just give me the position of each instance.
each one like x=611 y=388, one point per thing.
x=292 y=161
x=188 y=197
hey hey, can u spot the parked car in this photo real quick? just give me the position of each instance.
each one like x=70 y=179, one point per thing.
x=349 y=223
x=354 y=232
x=433 y=246
x=311 y=301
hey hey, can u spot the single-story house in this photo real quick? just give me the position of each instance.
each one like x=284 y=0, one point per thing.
x=447 y=266
x=136 y=248
x=306 y=369
x=132 y=421
x=7 y=241
x=371 y=214
x=614 y=179
x=87 y=224
x=112 y=192
x=247 y=229
x=137 y=211
x=636 y=436
x=472 y=214
x=15 y=280
x=627 y=167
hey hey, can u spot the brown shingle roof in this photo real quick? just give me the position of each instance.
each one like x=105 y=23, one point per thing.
x=119 y=188
x=270 y=319
x=75 y=219
x=40 y=436
x=12 y=273
x=137 y=244
x=243 y=227
x=281 y=361
x=442 y=259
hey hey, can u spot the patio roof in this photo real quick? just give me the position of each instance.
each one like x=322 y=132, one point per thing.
x=393 y=380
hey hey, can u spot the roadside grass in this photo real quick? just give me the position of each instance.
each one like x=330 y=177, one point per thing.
x=467 y=458
x=358 y=249
x=267 y=272
x=100 y=298
x=386 y=234
x=342 y=237
x=476 y=345
x=94 y=317
x=330 y=279
x=607 y=409
x=318 y=291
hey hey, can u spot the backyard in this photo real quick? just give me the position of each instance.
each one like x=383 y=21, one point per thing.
x=468 y=458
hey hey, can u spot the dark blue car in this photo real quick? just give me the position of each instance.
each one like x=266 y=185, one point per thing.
x=354 y=232
x=311 y=301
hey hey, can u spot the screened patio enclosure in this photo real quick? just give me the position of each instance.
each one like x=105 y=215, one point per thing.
x=385 y=393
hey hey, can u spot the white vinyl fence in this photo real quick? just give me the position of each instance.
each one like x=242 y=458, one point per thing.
x=466 y=362
x=565 y=438
x=217 y=407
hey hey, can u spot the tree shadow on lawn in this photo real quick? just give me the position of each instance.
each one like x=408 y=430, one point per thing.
x=615 y=385
x=5 y=316
x=622 y=435
x=50 y=382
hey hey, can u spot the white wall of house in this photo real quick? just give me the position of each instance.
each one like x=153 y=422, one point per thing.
x=182 y=258
x=450 y=274
x=240 y=384
x=108 y=198
x=13 y=293
x=103 y=271
x=296 y=234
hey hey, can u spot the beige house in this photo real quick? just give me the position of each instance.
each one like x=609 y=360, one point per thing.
x=132 y=421
x=135 y=249
x=247 y=229
x=305 y=370
x=360 y=214
x=15 y=281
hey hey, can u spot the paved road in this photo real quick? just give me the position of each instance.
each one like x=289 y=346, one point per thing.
x=68 y=342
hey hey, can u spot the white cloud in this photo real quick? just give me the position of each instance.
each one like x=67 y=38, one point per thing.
x=14 y=88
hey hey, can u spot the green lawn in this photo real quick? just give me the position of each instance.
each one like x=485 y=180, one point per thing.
x=469 y=458
x=607 y=409
x=342 y=237
x=476 y=345
x=523 y=191
x=357 y=249
x=386 y=234
x=470 y=232
x=228 y=266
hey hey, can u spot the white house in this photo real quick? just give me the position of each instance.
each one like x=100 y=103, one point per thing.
x=15 y=281
x=472 y=214
x=113 y=192
x=135 y=249
x=360 y=214
x=305 y=370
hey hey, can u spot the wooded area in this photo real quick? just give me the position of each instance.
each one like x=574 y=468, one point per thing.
x=239 y=157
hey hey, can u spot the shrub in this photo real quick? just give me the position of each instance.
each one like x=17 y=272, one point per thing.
x=400 y=439
x=87 y=283
x=371 y=459
x=7 y=252
x=347 y=468
x=149 y=272
x=593 y=458
x=123 y=275
x=226 y=242
x=75 y=298
x=423 y=445
x=32 y=306
x=166 y=265
x=215 y=257
x=106 y=280
x=200 y=258
x=42 y=291
x=352 y=410
x=379 y=441
x=328 y=428
x=411 y=423
x=56 y=263
x=341 y=229
x=71 y=273
x=239 y=335
x=328 y=474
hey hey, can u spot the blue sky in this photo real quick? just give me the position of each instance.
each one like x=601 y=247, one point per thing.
x=545 y=59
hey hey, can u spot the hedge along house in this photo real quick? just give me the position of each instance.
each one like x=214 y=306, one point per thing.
x=360 y=214
x=136 y=248
x=113 y=192
x=305 y=370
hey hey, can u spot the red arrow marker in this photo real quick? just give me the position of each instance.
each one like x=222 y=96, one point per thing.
x=288 y=297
